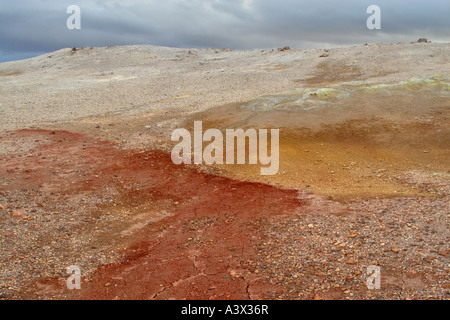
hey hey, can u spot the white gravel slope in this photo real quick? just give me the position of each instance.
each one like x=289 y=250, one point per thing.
x=65 y=85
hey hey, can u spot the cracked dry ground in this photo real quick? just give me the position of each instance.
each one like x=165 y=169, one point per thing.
x=140 y=227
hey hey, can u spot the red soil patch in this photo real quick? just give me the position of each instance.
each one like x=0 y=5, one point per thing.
x=204 y=247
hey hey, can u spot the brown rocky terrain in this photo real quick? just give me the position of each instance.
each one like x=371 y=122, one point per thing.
x=86 y=176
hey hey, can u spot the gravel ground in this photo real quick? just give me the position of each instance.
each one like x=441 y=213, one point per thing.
x=40 y=241
x=323 y=256
x=320 y=251
x=45 y=227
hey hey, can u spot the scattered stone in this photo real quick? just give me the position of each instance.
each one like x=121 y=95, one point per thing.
x=444 y=253
x=17 y=213
x=395 y=250
x=351 y=262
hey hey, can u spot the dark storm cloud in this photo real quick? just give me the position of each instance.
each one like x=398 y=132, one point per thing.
x=29 y=27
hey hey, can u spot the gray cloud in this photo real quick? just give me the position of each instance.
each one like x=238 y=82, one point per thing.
x=30 y=27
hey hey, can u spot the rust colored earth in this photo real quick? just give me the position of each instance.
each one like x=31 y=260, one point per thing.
x=200 y=249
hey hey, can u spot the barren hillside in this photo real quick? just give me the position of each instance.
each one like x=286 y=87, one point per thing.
x=86 y=176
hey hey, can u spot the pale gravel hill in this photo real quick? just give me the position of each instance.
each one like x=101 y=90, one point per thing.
x=121 y=81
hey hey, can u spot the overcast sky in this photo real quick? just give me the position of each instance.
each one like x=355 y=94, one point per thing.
x=32 y=27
